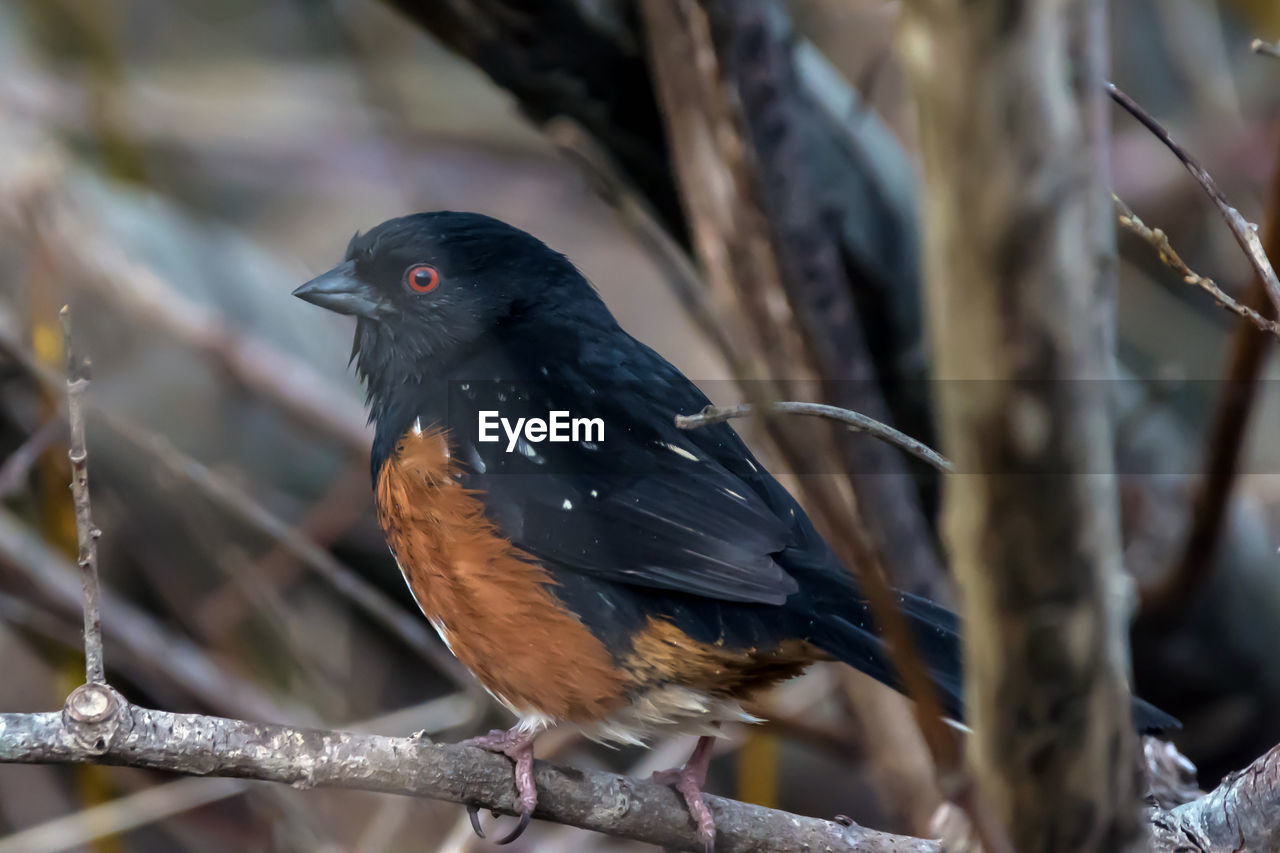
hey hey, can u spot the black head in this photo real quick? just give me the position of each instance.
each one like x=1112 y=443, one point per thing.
x=427 y=286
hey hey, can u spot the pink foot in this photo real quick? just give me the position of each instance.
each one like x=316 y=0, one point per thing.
x=518 y=746
x=688 y=780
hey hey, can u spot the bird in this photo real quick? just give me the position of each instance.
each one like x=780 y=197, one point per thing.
x=592 y=564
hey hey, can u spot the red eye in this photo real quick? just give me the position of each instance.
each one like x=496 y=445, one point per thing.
x=421 y=278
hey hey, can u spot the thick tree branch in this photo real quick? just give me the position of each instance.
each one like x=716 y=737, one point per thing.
x=1031 y=526
x=1238 y=815
x=98 y=726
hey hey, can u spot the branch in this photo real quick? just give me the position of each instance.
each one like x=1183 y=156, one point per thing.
x=17 y=466
x=1240 y=814
x=1245 y=232
x=1226 y=441
x=1011 y=280
x=86 y=532
x=1265 y=48
x=99 y=726
x=1170 y=258
x=855 y=421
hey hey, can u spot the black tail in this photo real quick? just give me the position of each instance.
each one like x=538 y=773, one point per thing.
x=851 y=636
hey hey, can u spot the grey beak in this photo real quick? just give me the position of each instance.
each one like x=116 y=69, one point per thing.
x=340 y=290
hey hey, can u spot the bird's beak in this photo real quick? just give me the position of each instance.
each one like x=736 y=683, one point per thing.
x=340 y=290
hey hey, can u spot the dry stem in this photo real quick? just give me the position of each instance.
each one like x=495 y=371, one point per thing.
x=86 y=532
x=854 y=420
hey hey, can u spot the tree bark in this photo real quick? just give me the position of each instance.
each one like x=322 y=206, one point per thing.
x=1030 y=519
x=99 y=726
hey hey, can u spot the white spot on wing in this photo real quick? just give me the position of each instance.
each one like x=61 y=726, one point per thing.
x=680 y=451
x=417 y=426
x=568 y=504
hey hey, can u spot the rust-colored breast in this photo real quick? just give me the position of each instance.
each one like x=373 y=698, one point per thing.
x=488 y=599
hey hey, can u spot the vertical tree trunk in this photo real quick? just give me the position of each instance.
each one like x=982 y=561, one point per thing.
x=1013 y=281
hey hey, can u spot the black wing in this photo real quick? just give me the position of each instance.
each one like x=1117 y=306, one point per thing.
x=649 y=505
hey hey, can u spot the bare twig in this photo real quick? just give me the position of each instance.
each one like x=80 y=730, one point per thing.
x=1170 y=258
x=86 y=532
x=18 y=464
x=1246 y=233
x=1226 y=441
x=855 y=421
x=1265 y=48
x=99 y=726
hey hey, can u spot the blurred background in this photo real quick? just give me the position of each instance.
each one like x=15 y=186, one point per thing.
x=173 y=168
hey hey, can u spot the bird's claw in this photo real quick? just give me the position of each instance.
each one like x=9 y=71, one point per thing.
x=473 y=812
x=518 y=746
x=525 y=817
x=688 y=782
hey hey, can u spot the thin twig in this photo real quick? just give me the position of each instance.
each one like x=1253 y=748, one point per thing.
x=855 y=421
x=18 y=464
x=1246 y=233
x=86 y=532
x=1225 y=443
x=1170 y=258
x=1265 y=48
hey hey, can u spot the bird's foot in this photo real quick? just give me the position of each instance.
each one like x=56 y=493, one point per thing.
x=688 y=780
x=518 y=746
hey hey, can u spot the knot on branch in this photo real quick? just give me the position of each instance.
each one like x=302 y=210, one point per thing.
x=95 y=714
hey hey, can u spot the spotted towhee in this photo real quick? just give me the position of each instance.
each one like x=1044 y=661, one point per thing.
x=631 y=578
